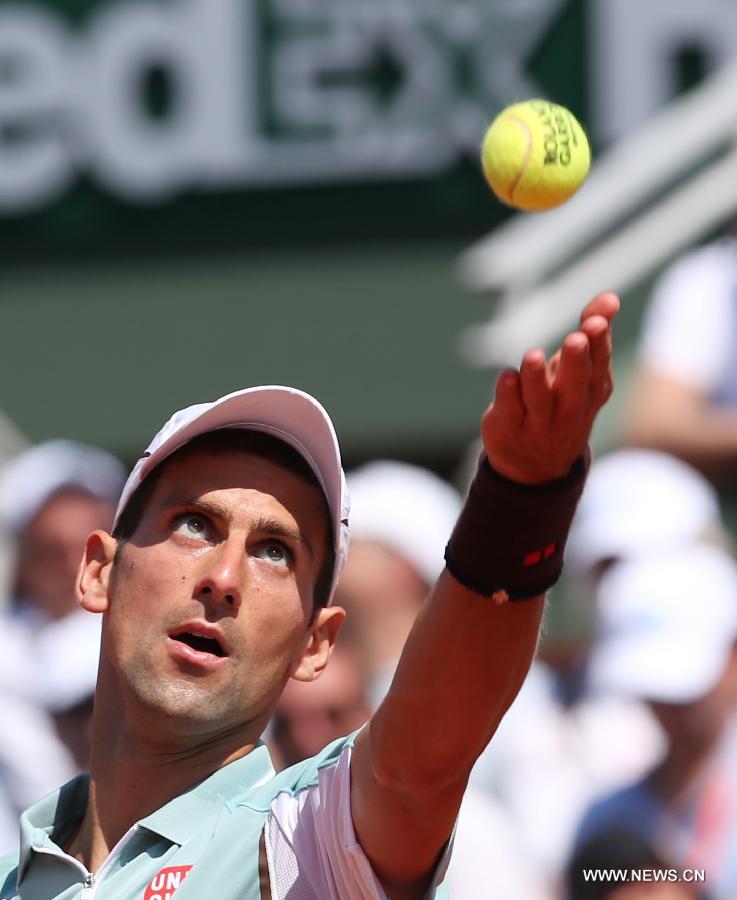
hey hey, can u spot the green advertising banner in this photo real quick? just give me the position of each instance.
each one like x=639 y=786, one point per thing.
x=144 y=126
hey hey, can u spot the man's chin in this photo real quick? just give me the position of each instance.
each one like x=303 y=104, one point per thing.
x=177 y=706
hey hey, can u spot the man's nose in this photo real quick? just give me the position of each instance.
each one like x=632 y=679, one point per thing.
x=222 y=578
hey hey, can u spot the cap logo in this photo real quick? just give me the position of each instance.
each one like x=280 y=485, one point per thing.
x=164 y=883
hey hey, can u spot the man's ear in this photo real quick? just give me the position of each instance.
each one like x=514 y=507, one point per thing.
x=323 y=632
x=94 y=571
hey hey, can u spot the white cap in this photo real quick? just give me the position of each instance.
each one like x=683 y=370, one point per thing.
x=286 y=413
x=33 y=477
x=637 y=502
x=406 y=508
x=667 y=625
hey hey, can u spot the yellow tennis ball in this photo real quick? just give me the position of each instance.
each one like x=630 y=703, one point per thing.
x=535 y=155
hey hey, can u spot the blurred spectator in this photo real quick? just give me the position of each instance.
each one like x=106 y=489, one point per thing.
x=685 y=393
x=637 y=503
x=68 y=652
x=51 y=497
x=310 y=716
x=491 y=858
x=548 y=761
x=668 y=633
x=401 y=519
x=32 y=760
x=626 y=852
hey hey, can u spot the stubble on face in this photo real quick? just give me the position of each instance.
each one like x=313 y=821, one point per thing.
x=157 y=585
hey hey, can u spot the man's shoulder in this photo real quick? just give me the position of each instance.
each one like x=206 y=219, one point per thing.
x=307 y=772
x=301 y=775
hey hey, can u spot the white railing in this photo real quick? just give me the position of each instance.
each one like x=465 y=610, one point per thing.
x=624 y=223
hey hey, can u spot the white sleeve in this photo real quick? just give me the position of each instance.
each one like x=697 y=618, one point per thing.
x=311 y=846
x=685 y=331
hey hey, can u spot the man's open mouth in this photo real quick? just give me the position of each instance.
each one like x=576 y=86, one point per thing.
x=203 y=644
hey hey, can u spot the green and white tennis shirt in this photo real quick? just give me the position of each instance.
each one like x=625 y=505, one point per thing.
x=245 y=832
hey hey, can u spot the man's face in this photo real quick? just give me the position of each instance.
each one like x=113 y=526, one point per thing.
x=210 y=602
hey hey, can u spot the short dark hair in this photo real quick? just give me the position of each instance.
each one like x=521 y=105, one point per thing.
x=239 y=440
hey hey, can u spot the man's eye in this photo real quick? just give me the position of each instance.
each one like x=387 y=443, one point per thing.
x=191 y=525
x=276 y=553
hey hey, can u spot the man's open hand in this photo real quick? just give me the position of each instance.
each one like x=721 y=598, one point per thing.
x=541 y=417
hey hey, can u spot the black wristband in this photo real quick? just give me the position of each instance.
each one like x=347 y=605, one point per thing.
x=509 y=540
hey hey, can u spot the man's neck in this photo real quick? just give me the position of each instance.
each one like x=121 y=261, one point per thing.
x=130 y=779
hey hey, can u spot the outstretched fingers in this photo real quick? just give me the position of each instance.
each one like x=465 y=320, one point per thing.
x=599 y=335
x=596 y=322
x=508 y=405
x=542 y=415
x=606 y=305
x=573 y=377
x=535 y=385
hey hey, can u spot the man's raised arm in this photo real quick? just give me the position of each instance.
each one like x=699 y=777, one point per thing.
x=473 y=643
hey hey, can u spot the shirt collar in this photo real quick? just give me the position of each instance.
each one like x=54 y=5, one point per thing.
x=57 y=811
x=176 y=820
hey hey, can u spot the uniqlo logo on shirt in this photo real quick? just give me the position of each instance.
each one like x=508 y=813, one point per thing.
x=165 y=882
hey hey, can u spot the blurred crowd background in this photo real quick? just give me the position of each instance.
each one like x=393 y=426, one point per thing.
x=199 y=195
